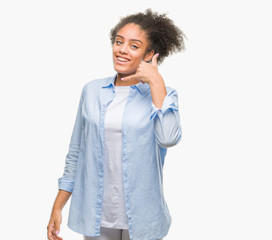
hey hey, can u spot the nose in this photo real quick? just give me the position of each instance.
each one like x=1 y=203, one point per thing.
x=123 y=49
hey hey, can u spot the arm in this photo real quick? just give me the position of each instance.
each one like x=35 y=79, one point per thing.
x=164 y=105
x=164 y=112
x=53 y=227
x=167 y=120
x=66 y=182
x=148 y=73
x=61 y=199
x=158 y=90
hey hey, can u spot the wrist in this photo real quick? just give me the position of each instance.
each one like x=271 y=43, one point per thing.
x=156 y=80
x=56 y=208
x=56 y=212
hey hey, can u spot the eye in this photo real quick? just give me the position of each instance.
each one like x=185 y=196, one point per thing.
x=118 y=42
x=134 y=46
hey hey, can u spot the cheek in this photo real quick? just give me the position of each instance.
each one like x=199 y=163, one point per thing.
x=115 y=48
x=138 y=58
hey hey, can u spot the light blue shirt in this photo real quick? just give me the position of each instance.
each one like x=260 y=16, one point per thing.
x=147 y=132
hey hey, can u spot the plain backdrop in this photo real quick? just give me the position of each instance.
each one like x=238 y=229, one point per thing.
x=217 y=180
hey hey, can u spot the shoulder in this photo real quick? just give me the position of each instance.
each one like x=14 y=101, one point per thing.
x=95 y=84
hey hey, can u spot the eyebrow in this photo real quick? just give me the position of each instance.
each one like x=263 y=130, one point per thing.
x=137 y=40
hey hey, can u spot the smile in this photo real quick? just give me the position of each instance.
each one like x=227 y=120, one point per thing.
x=122 y=59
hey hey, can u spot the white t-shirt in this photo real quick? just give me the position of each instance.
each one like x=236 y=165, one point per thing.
x=114 y=210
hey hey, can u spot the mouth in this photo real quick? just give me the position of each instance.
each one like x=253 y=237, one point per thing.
x=122 y=59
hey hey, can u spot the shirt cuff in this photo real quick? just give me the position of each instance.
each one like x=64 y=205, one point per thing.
x=168 y=103
x=65 y=184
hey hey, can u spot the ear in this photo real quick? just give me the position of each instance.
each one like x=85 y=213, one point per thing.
x=148 y=56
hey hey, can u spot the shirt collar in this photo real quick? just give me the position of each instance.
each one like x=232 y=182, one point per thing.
x=142 y=88
x=109 y=82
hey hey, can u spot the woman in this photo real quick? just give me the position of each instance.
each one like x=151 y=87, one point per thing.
x=123 y=128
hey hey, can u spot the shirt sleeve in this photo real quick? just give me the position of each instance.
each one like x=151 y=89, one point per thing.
x=167 y=120
x=66 y=182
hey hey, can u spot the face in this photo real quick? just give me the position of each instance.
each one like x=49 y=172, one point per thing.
x=129 y=49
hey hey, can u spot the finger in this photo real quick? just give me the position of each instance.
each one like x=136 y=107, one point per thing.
x=50 y=230
x=49 y=235
x=154 y=59
x=57 y=227
x=131 y=77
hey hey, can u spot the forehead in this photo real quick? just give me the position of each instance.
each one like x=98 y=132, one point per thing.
x=133 y=31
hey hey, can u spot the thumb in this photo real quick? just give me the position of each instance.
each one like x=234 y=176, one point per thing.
x=154 y=59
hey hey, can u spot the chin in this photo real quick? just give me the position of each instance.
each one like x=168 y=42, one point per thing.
x=124 y=71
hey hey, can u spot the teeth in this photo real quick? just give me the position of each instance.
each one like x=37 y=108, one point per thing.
x=122 y=59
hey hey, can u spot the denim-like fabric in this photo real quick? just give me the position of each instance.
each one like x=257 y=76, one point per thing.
x=147 y=133
x=111 y=234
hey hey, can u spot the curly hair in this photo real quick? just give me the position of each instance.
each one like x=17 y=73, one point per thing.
x=163 y=35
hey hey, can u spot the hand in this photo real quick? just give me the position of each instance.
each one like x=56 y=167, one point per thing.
x=53 y=227
x=146 y=72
